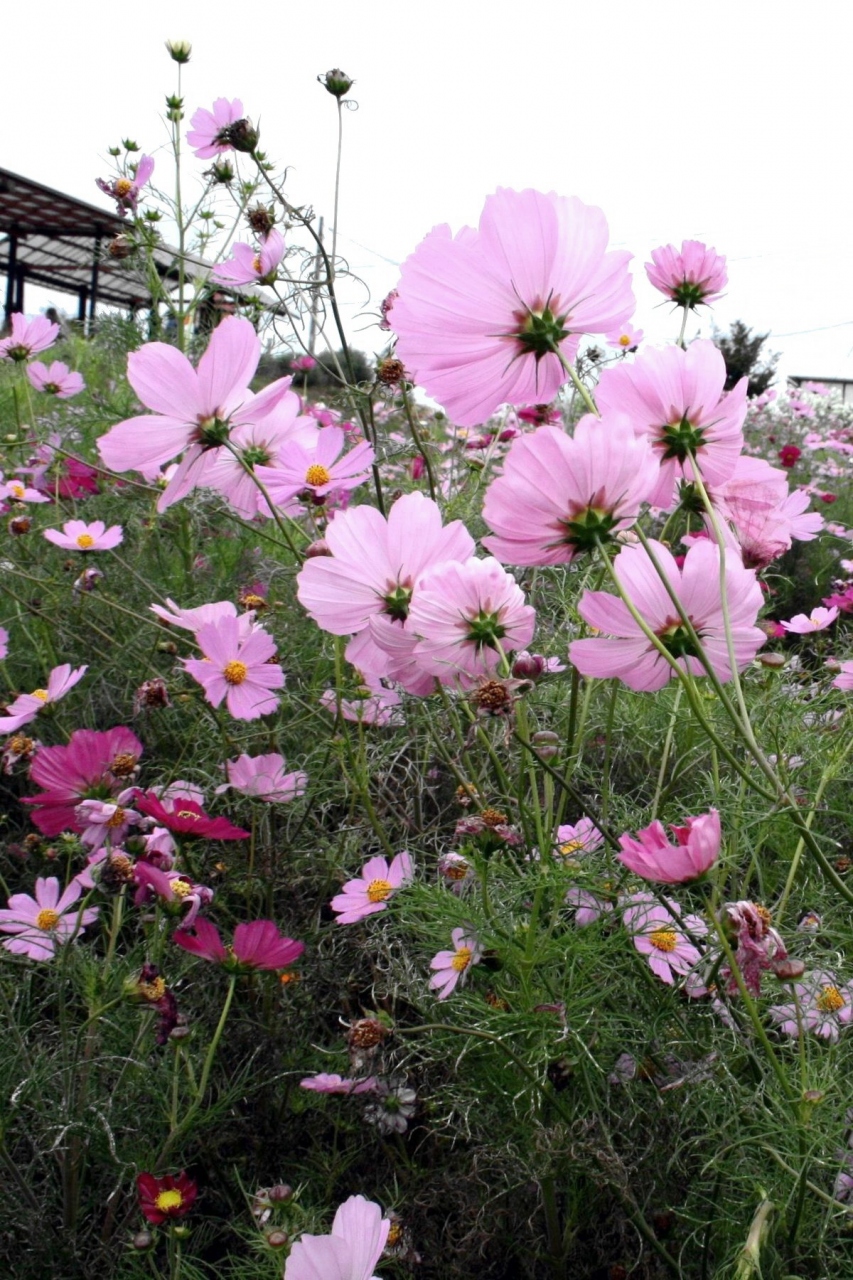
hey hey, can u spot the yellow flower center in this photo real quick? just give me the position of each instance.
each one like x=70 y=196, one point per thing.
x=317 y=475
x=624 y=340
x=256 y=264
x=153 y=990
x=84 y=541
x=181 y=888
x=570 y=847
x=379 y=890
x=20 y=746
x=830 y=1000
x=461 y=960
x=251 y=601
x=41 y=694
x=456 y=871
x=118 y=817
x=17 y=489
x=167 y=1200
x=187 y=814
x=47 y=919
x=664 y=939
x=123 y=186
x=235 y=672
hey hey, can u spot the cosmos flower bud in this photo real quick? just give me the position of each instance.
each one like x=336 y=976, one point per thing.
x=179 y=50
x=336 y=82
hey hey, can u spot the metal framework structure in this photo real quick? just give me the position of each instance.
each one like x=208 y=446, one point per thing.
x=56 y=240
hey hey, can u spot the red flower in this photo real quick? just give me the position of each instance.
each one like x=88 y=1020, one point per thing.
x=188 y=818
x=256 y=945
x=788 y=455
x=166 y=1197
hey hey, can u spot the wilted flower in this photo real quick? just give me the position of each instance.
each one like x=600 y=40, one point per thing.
x=393 y=1106
x=759 y=946
x=336 y=82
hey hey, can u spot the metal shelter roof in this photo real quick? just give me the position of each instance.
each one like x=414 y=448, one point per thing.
x=57 y=240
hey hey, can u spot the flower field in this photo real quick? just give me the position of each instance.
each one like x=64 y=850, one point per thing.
x=426 y=842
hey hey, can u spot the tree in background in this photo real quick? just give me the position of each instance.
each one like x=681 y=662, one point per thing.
x=741 y=350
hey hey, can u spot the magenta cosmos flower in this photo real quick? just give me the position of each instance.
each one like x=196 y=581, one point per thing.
x=264 y=778
x=624 y=652
x=375 y=563
x=211 y=130
x=651 y=855
x=76 y=535
x=696 y=274
x=256 y=945
x=451 y=967
x=186 y=817
x=655 y=934
x=826 y=1005
x=43 y=923
x=558 y=495
x=27 y=705
x=676 y=398
x=94 y=765
x=379 y=881
x=237 y=669
x=55 y=379
x=803 y=624
x=317 y=470
x=248 y=265
x=466 y=615
x=28 y=337
x=126 y=190
x=194 y=409
x=480 y=315
x=359 y=1233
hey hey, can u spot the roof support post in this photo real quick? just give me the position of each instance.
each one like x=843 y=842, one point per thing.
x=10 y=277
x=93 y=288
x=19 y=288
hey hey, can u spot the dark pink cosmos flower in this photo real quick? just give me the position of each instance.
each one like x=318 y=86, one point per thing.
x=93 y=766
x=256 y=945
x=210 y=133
x=479 y=315
x=174 y=888
x=168 y=1197
x=28 y=337
x=696 y=274
x=789 y=455
x=187 y=819
x=55 y=379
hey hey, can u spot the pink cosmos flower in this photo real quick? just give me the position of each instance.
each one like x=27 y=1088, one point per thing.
x=126 y=190
x=588 y=907
x=236 y=668
x=696 y=274
x=194 y=619
x=28 y=337
x=43 y=923
x=76 y=535
x=451 y=967
x=558 y=495
x=174 y=888
x=55 y=380
x=303 y=364
x=379 y=706
x=479 y=315
x=379 y=881
x=94 y=765
x=581 y=837
x=624 y=652
x=27 y=705
x=627 y=338
x=466 y=615
x=4 y=642
x=323 y=1082
x=655 y=934
x=248 y=265
x=844 y=681
x=195 y=410
x=105 y=822
x=359 y=1233
x=766 y=518
x=651 y=855
x=256 y=945
x=210 y=131
x=375 y=563
x=264 y=778
x=818 y=620
x=16 y=491
x=826 y=1005
x=255 y=446
x=676 y=398
x=318 y=470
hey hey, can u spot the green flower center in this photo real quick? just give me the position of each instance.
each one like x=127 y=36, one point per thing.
x=397 y=602
x=541 y=328
x=676 y=640
x=679 y=439
x=485 y=630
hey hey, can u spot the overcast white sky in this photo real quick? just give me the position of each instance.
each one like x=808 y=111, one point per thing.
x=727 y=122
